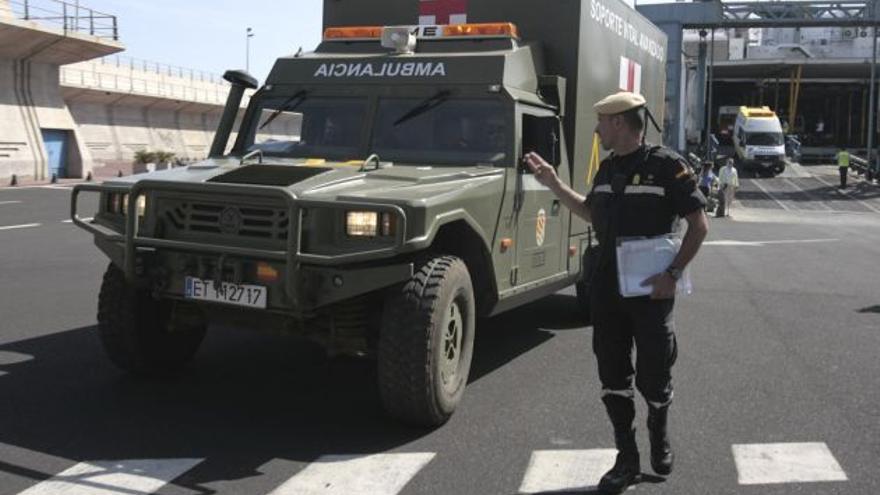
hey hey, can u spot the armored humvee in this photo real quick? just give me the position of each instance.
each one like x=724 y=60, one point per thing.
x=373 y=197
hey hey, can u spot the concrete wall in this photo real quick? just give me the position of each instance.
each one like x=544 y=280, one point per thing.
x=30 y=94
x=114 y=127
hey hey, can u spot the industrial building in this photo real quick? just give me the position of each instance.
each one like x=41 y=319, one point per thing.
x=69 y=105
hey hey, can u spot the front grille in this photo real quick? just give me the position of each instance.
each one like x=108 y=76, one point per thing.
x=267 y=223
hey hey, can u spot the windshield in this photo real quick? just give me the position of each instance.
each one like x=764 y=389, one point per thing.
x=764 y=139
x=309 y=127
x=442 y=130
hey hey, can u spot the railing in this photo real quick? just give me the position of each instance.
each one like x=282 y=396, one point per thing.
x=70 y=16
x=162 y=69
x=125 y=83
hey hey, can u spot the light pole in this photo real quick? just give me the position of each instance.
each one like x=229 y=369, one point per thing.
x=249 y=33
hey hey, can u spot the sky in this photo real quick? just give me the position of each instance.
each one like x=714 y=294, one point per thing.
x=209 y=35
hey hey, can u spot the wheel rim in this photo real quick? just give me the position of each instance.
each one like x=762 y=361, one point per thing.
x=450 y=346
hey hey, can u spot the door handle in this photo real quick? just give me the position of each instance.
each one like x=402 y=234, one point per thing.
x=554 y=209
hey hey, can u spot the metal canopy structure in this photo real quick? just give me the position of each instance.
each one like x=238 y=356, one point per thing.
x=802 y=14
x=672 y=18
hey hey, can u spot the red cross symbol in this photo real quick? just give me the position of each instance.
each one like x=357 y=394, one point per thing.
x=443 y=10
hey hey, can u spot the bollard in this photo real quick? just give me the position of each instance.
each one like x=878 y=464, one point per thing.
x=14 y=181
x=89 y=176
x=54 y=179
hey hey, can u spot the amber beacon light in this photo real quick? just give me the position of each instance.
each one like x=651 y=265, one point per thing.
x=487 y=30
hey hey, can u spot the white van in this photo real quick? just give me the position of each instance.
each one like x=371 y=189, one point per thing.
x=758 y=141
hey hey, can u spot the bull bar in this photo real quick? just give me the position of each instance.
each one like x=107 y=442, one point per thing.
x=292 y=256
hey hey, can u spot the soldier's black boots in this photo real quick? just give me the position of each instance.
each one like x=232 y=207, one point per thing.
x=626 y=468
x=661 y=452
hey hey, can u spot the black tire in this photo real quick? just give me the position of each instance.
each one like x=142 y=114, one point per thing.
x=142 y=335
x=427 y=341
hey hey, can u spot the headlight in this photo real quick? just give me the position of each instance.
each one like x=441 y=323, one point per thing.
x=361 y=223
x=117 y=203
x=368 y=224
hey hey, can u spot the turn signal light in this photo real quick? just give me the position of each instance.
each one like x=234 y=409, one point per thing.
x=486 y=29
x=266 y=273
x=506 y=244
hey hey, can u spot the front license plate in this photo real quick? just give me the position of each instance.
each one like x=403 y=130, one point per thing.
x=251 y=296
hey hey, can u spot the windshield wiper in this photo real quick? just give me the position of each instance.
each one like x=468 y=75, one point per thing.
x=288 y=106
x=424 y=106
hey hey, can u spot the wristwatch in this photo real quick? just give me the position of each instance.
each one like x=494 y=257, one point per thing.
x=674 y=272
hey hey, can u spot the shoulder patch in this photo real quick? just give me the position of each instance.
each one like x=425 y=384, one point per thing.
x=681 y=170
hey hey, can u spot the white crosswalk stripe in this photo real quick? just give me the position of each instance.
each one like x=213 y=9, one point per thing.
x=770 y=463
x=548 y=471
x=22 y=226
x=379 y=474
x=566 y=470
x=122 y=477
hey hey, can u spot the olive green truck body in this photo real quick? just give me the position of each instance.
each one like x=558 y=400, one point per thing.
x=373 y=197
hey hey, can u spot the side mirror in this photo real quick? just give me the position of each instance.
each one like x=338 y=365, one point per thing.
x=541 y=135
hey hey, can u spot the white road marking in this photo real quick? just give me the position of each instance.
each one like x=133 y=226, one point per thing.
x=724 y=242
x=566 y=470
x=765 y=191
x=87 y=219
x=808 y=194
x=846 y=193
x=9 y=202
x=9 y=357
x=124 y=477
x=19 y=188
x=759 y=464
x=22 y=226
x=379 y=474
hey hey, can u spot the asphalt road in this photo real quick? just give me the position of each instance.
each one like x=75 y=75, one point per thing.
x=776 y=378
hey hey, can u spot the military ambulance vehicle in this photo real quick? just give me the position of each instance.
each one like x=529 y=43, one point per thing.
x=374 y=196
x=758 y=141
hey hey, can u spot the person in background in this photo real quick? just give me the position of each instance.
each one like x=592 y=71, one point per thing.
x=842 y=157
x=729 y=179
x=707 y=179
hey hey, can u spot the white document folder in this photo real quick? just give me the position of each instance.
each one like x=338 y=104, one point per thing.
x=639 y=259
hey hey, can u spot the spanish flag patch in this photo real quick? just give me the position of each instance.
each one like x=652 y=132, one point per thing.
x=682 y=171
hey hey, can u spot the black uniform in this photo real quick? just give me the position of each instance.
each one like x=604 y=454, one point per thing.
x=639 y=194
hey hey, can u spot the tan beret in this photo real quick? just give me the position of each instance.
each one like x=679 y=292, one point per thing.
x=619 y=103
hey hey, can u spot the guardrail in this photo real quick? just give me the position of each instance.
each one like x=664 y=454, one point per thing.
x=123 y=83
x=71 y=17
x=859 y=163
x=150 y=66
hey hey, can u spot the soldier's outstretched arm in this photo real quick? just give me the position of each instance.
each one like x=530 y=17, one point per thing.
x=546 y=175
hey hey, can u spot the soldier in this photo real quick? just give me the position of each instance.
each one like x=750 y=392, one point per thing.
x=639 y=190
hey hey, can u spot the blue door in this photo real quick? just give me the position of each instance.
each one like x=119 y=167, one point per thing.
x=56 y=149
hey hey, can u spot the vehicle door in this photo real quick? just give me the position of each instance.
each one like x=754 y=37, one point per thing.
x=540 y=221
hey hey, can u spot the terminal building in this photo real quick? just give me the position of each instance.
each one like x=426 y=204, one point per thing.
x=816 y=79
x=71 y=106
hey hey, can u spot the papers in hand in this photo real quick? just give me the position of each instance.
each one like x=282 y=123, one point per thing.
x=639 y=259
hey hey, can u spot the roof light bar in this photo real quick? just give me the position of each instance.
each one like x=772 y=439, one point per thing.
x=484 y=30
x=361 y=32
x=504 y=29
